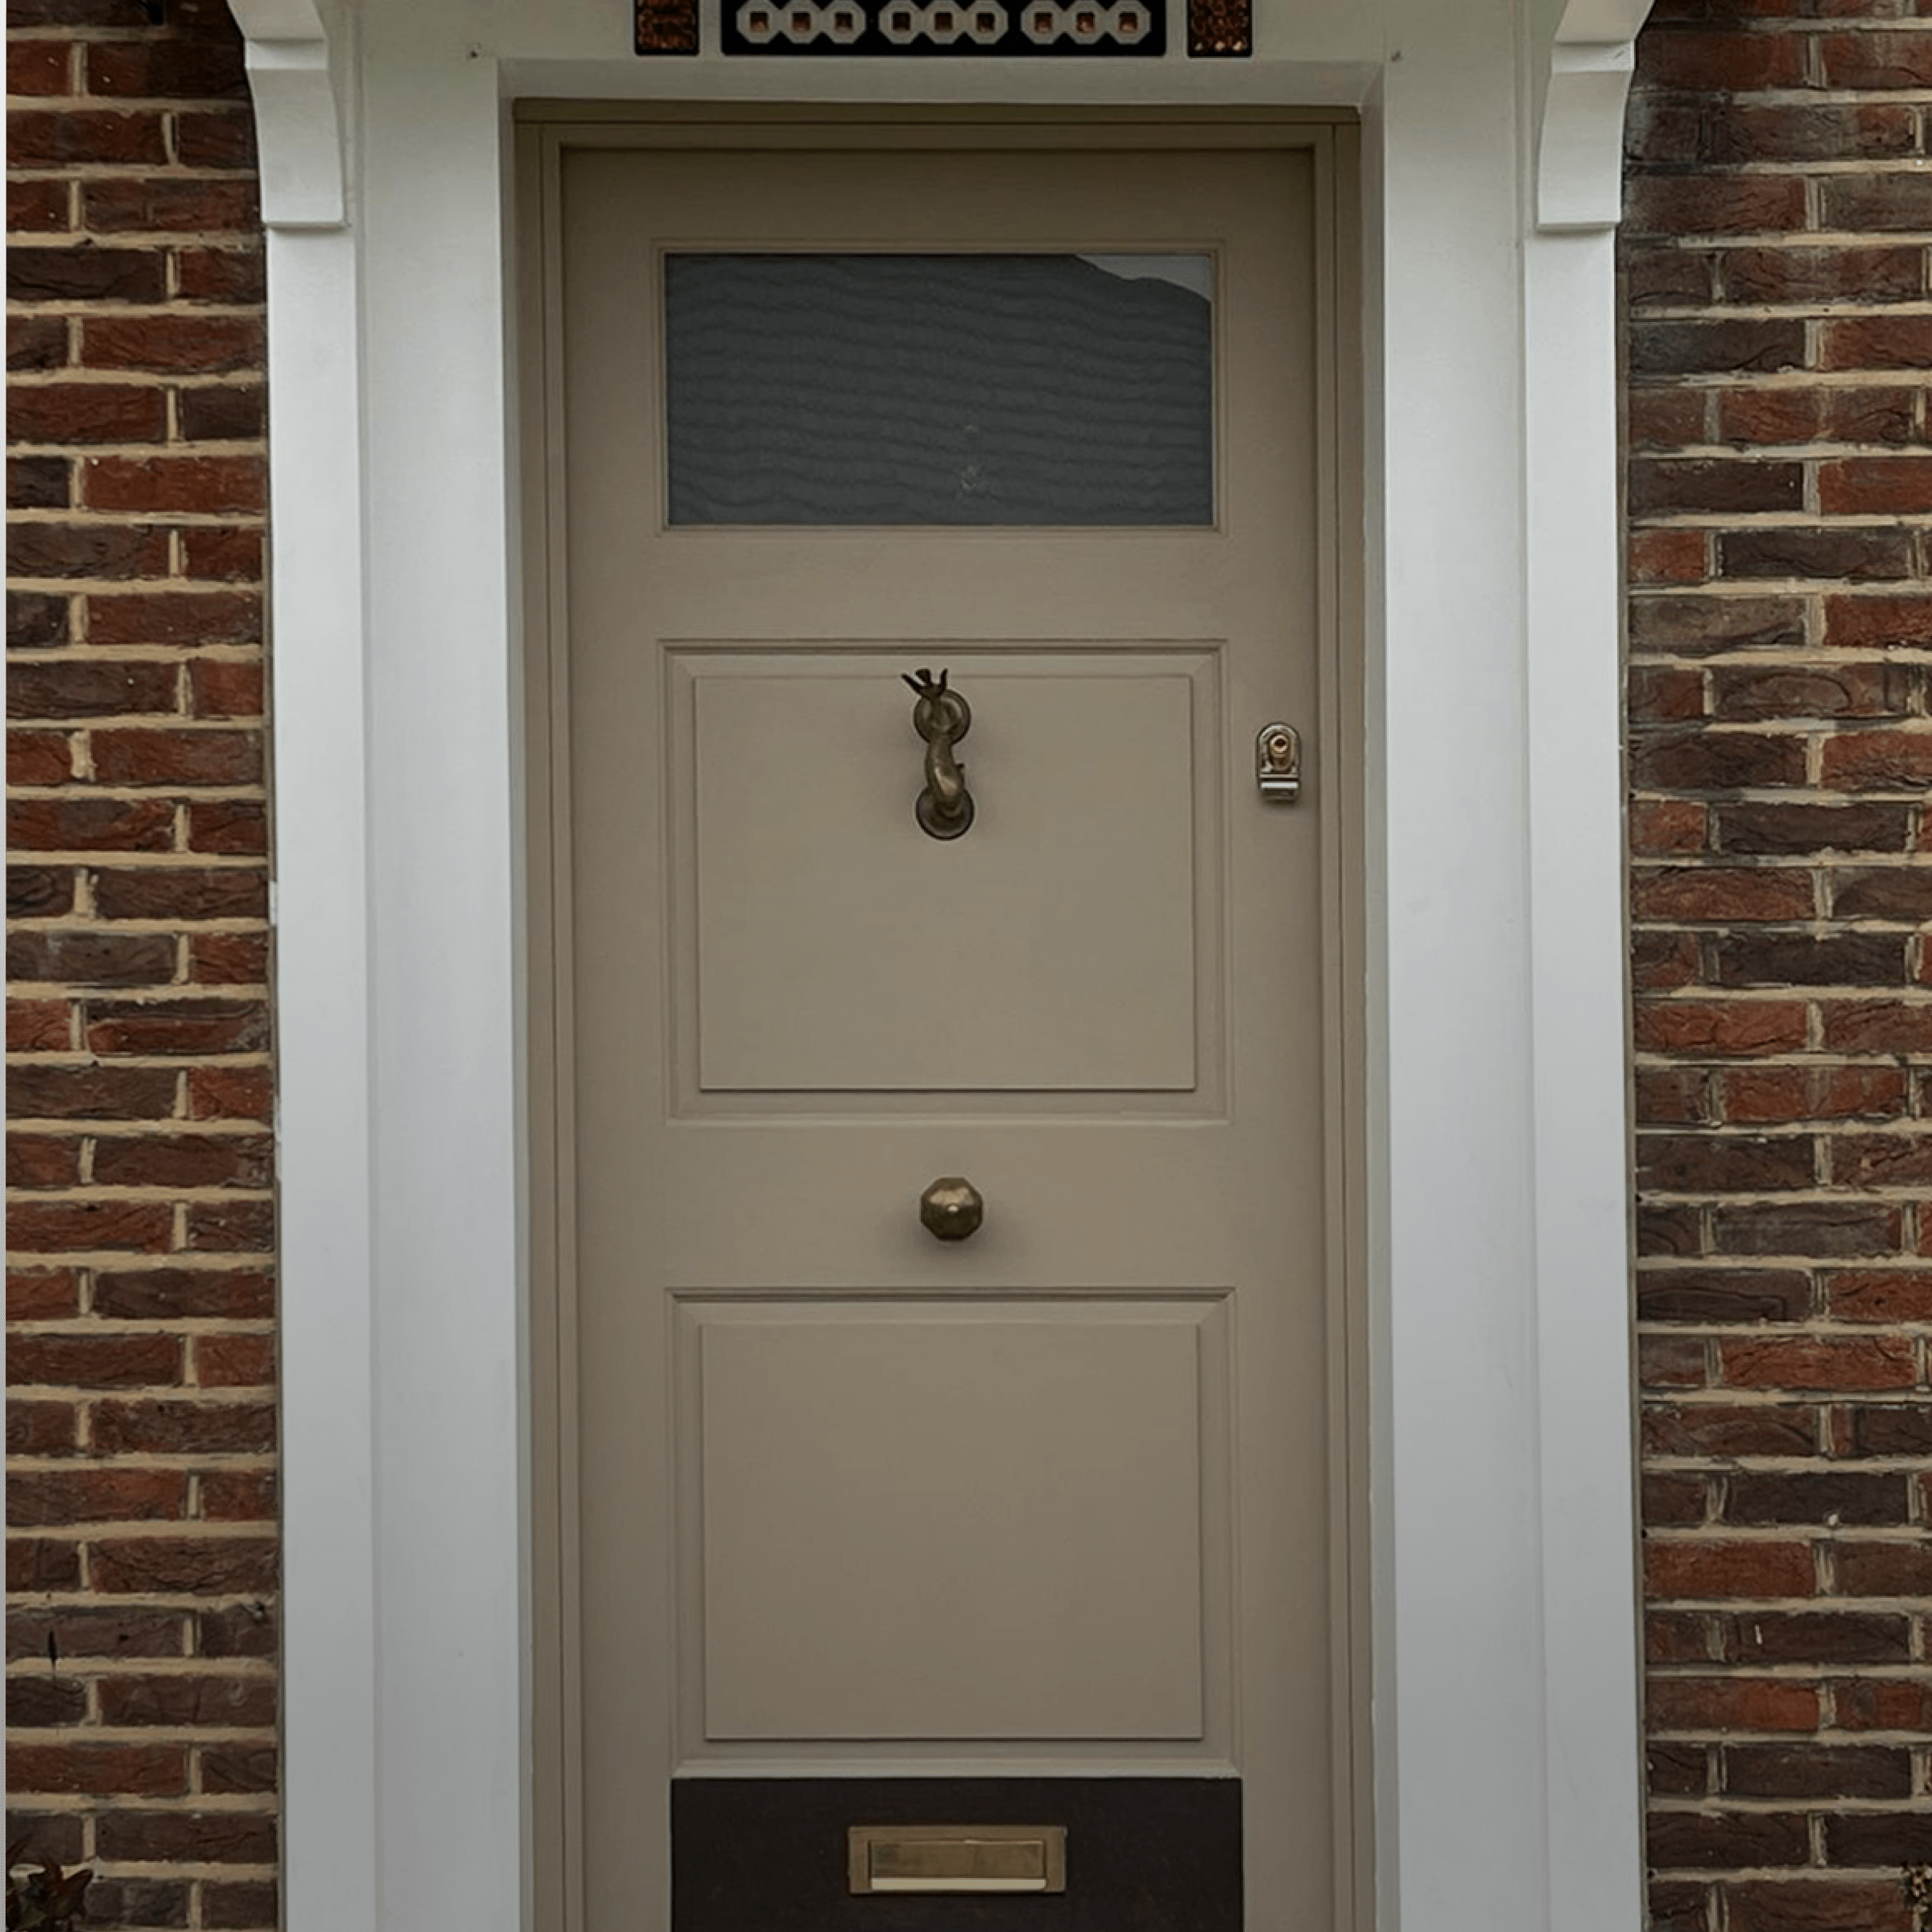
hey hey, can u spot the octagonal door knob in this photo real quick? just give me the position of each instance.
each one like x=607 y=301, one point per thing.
x=952 y=1208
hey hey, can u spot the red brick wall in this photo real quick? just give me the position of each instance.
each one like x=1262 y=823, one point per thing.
x=141 y=1563
x=1780 y=490
x=1780 y=340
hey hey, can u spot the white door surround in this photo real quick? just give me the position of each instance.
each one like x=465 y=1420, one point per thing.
x=1506 y=1717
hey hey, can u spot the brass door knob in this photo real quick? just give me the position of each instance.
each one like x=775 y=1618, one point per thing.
x=952 y=1208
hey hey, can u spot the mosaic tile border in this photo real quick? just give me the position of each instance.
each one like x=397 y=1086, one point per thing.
x=938 y=29
x=941 y=29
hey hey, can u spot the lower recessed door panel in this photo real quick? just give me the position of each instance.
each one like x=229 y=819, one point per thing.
x=940 y=1522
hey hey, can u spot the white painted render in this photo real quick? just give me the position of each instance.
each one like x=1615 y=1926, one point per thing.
x=1506 y=1715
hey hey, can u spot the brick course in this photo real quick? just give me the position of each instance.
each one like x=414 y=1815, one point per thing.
x=1779 y=497
x=142 y=1563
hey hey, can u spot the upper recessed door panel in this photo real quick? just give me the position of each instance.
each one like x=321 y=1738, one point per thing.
x=1066 y=944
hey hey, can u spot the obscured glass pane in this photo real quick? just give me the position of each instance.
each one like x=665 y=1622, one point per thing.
x=940 y=389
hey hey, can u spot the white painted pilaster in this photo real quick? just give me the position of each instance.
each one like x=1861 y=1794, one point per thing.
x=1586 y=1403
x=1587 y=1428
x=318 y=696
x=323 y=969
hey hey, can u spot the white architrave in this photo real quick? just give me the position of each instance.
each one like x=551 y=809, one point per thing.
x=1506 y=1736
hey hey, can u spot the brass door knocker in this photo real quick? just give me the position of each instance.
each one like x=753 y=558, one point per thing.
x=942 y=718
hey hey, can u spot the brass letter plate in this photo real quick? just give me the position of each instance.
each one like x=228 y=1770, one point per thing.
x=957 y=1858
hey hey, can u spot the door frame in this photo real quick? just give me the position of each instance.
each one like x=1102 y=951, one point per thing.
x=1506 y=1640
x=546 y=132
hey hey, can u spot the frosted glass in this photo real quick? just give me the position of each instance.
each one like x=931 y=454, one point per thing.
x=973 y=389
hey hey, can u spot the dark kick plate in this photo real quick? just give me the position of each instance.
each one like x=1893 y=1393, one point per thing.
x=769 y=1854
x=932 y=29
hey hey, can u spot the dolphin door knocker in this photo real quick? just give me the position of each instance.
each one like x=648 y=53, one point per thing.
x=942 y=718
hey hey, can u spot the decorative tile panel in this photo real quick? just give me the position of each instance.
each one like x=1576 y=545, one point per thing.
x=1220 y=28
x=668 y=27
x=929 y=29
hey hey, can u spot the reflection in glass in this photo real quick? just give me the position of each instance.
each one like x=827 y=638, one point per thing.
x=873 y=389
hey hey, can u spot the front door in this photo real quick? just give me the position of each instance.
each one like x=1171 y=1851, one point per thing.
x=951 y=1416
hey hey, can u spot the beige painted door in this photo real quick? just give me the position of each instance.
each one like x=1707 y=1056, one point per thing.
x=853 y=1501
